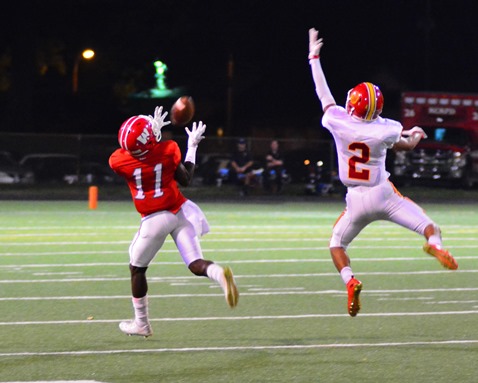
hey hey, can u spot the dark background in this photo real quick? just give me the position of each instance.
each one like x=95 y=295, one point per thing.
x=399 y=45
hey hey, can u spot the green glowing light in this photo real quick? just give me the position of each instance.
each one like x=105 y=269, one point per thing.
x=161 y=90
x=160 y=75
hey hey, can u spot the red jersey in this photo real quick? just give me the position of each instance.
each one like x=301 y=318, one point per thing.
x=151 y=179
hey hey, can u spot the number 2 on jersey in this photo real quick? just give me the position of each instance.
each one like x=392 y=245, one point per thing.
x=158 y=169
x=361 y=158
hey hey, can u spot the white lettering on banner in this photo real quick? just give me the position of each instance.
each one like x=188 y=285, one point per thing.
x=442 y=111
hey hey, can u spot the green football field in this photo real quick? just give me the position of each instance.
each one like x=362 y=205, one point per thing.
x=64 y=287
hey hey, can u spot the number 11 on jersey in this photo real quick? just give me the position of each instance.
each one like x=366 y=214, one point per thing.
x=158 y=170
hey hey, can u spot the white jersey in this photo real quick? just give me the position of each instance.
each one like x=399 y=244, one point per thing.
x=361 y=146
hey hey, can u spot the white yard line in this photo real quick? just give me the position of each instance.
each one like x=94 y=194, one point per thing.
x=450 y=342
x=239 y=239
x=246 y=228
x=247 y=318
x=249 y=261
x=243 y=294
x=248 y=276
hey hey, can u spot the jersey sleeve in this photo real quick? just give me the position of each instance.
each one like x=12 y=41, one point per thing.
x=118 y=162
x=321 y=87
x=333 y=116
x=113 y=160
x=394 y=132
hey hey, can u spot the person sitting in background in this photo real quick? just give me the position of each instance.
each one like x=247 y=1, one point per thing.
x=242 y=167
x=274 y=170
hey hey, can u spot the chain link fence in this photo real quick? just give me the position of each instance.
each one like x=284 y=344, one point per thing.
x=79 y=158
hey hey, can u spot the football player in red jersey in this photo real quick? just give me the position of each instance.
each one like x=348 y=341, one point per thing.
x=362 y=138
x=152 y=169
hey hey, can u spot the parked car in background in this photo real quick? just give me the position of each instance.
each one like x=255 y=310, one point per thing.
x=93 y=173
x=314 y=169
x=213 y=168
x=11 y=172
x=304 y=164
x=450 y=152
x=67 y=168
x=50 y=167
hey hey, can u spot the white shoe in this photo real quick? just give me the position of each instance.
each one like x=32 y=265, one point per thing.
x=231 y=293
x=131 y=328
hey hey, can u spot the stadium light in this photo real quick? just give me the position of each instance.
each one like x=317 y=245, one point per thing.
x=87 y=54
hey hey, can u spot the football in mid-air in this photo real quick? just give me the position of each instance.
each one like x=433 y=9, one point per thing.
x=182 y=111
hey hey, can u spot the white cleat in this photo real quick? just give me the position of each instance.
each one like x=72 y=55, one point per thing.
x=131 y=328
x=231 y=293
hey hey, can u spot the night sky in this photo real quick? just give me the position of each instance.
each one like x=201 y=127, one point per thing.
x=399 y=45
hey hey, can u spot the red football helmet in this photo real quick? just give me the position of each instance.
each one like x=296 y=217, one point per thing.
x=136 y=135
x=365 y=101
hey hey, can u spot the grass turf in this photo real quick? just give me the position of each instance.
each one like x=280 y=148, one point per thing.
x=65 y=286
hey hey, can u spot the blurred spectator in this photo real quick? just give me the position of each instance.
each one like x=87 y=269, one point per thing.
x=274 y=172
x=242 y=167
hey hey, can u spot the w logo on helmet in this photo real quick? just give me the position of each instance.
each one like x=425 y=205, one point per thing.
x=144 y=137
x=136 y=135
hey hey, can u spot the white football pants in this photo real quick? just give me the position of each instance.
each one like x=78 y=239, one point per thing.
x=365 y=205
x=184 y=227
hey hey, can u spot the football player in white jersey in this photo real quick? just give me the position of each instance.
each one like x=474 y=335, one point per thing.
x=362 y=138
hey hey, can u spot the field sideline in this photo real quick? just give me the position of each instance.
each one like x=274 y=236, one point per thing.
x=64 y=286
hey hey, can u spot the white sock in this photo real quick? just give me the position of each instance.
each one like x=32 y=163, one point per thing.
x=140 y=306
x=346 y=274
x=216 y=273
x=435 y=238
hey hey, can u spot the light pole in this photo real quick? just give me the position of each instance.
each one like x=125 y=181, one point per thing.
x=230 y=88
x=87 y=54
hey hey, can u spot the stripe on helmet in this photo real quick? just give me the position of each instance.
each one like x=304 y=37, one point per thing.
x=125 y=132
x=372 y=101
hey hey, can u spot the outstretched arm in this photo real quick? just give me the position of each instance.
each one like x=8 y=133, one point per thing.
x=409 y=139
x=184 y=172
x=321 y=87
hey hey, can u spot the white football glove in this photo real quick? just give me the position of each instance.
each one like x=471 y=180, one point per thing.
x=415 y=130
x=195 y=134
x=158 y=122
x=314 y=43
